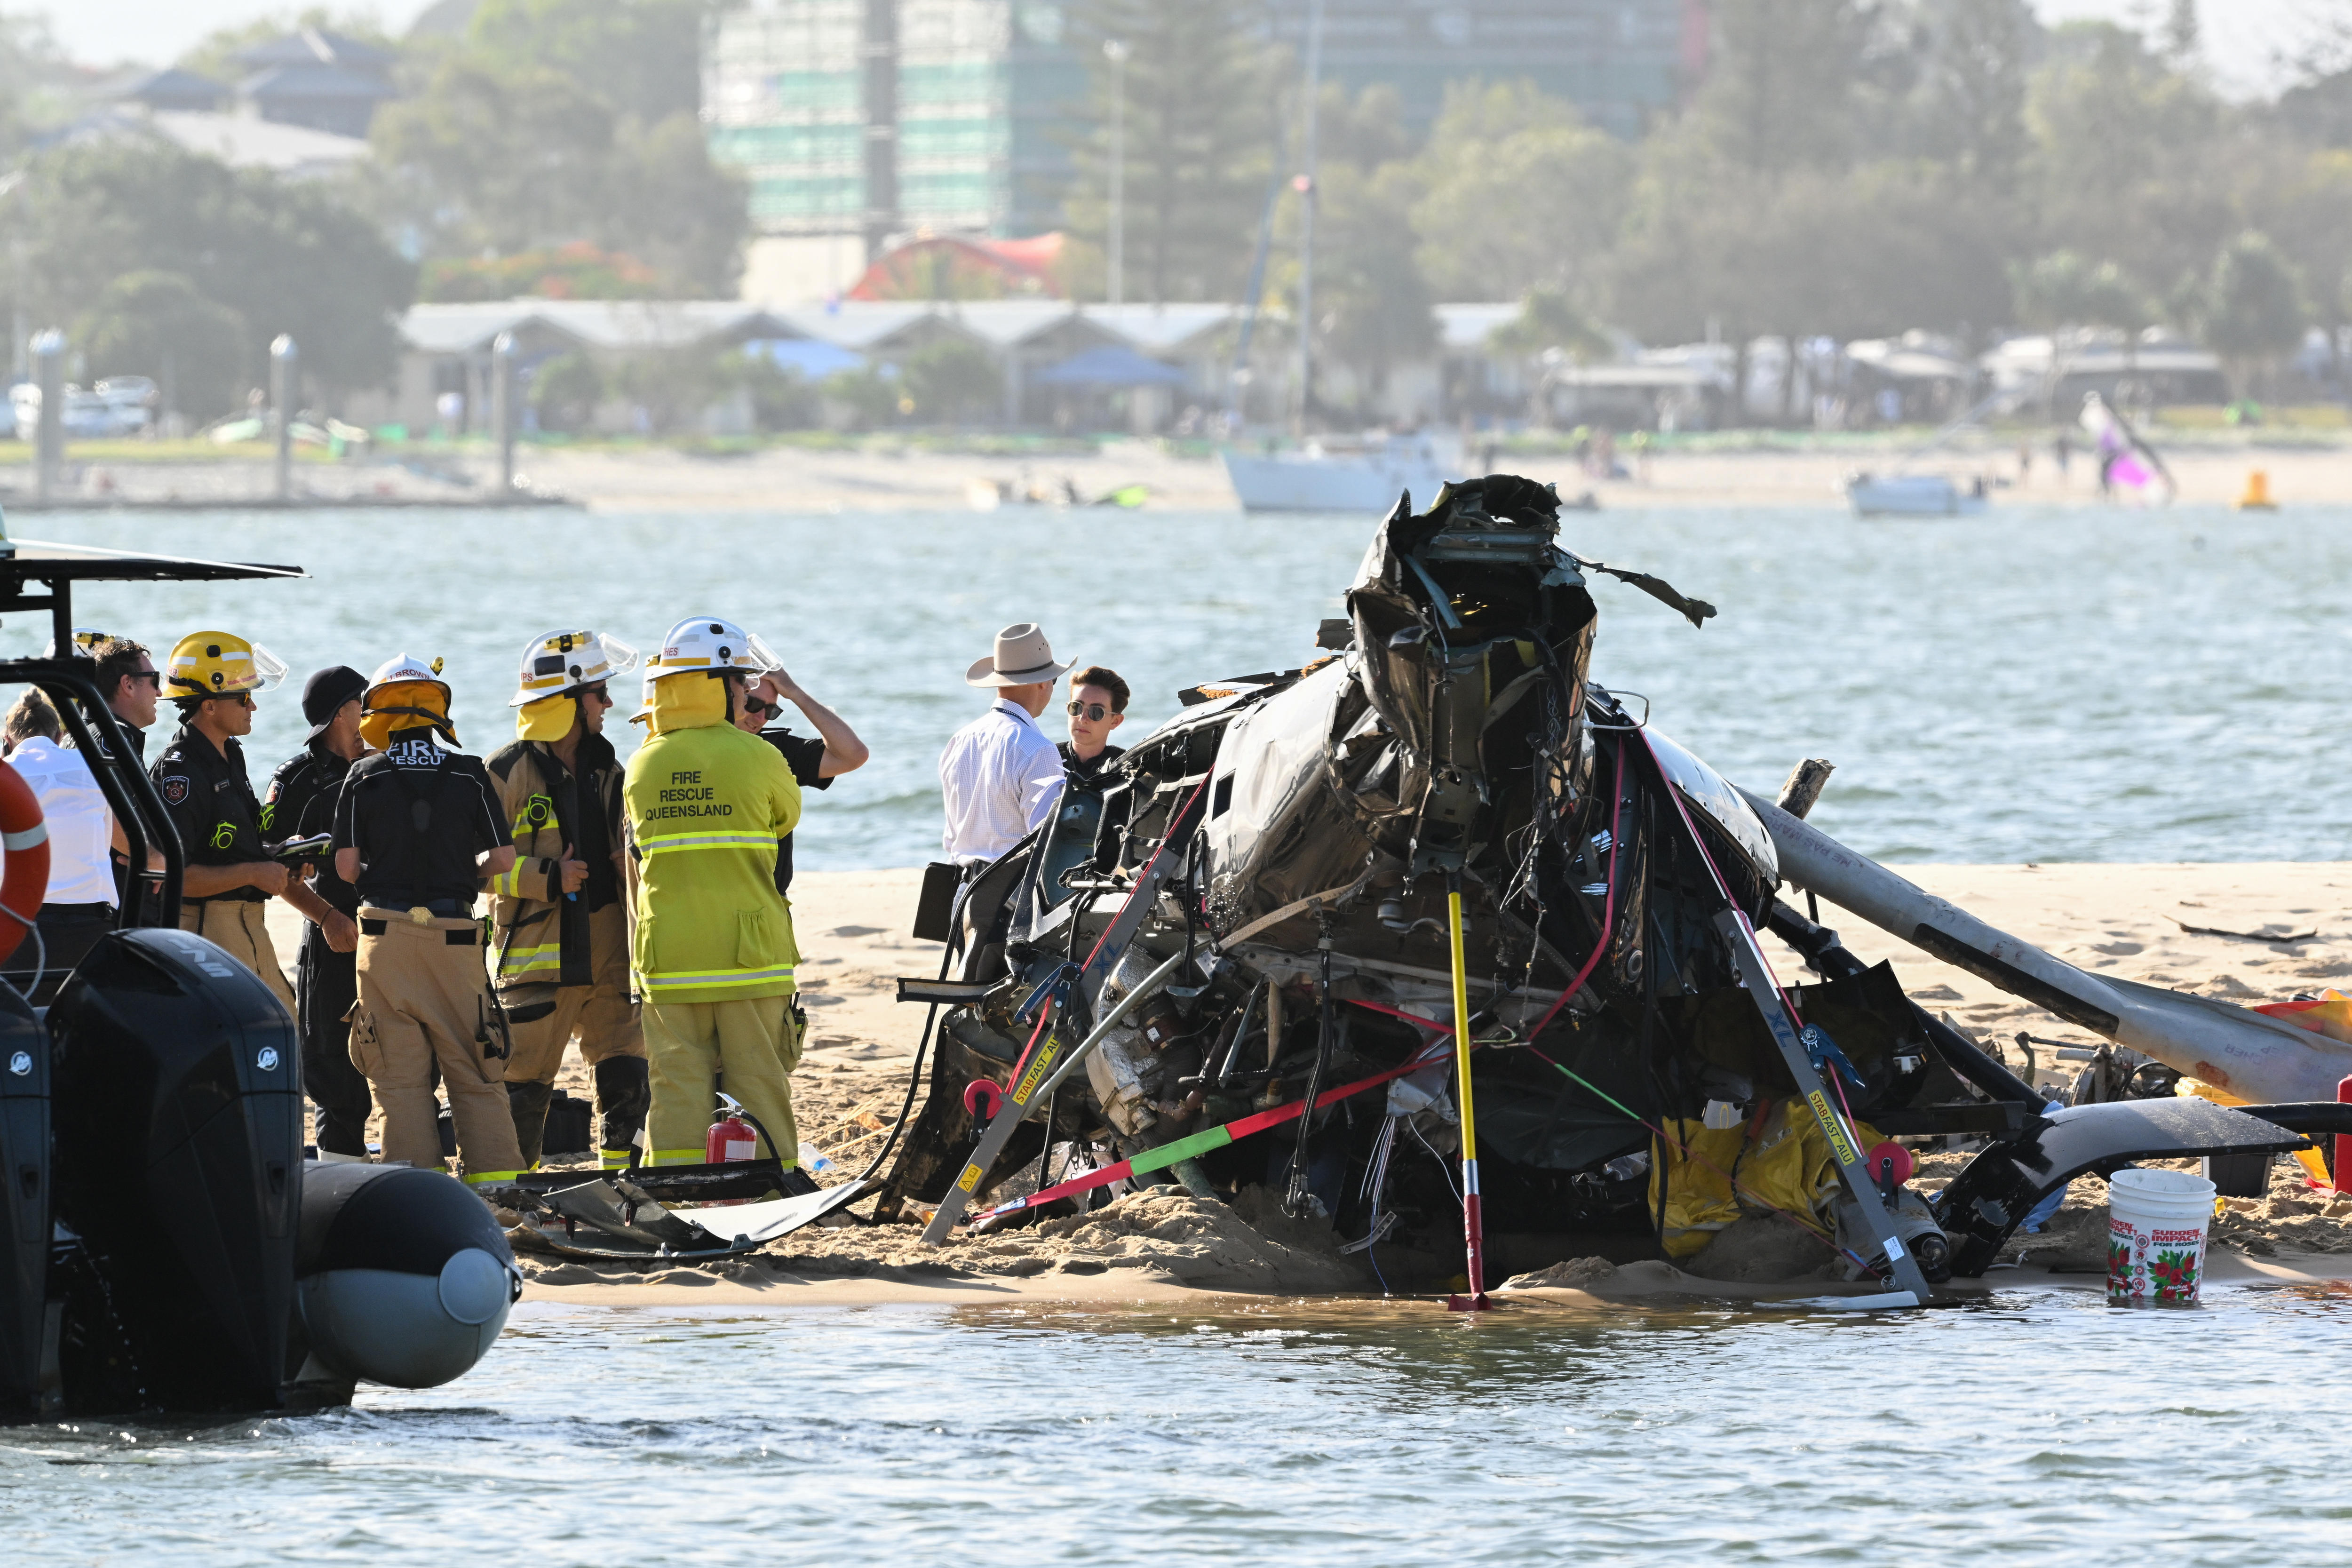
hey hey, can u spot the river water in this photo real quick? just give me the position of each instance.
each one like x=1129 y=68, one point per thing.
x=2036 y=684
x=2037 y=1427
x=2027 y=686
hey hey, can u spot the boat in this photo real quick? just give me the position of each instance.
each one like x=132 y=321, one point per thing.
x=1323 y=477
x=1913 y=495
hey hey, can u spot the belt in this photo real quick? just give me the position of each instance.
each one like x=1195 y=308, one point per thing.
x=446 y=909
x=237 y=896
x=465 y=937
x=100 y=908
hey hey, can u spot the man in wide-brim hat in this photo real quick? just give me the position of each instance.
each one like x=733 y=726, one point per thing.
x=1001 y=774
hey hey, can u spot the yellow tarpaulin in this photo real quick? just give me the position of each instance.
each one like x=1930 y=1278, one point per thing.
x=1783 y=1163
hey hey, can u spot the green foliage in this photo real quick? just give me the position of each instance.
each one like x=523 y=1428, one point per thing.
x=780 y=399
x=558 y=123
x=1199 y=128
x=564 y=392
x=951 y=379
x=2253 y=304
x=156 y=324
x=2063 y=289
x=869 y=396
x=1372 y=301
x=1782 y=86
x=1549 y=319
x=1516 y=193
x=638 y=57
x=215 y=55
x=285 y=258
x=575 y=271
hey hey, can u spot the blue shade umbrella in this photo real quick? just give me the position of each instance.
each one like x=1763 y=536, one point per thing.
x=1110 y=367
x=812 y=359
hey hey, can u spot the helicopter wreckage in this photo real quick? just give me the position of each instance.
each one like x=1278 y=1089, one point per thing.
x=1442 y=889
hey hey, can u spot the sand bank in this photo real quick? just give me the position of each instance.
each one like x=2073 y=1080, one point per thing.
x=879 y=476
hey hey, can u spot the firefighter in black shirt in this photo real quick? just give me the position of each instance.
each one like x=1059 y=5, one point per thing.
x=300 y=804
x=816 y=759
x=417 y=832
x=230 y=875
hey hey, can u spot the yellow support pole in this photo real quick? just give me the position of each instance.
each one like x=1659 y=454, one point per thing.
x=1473 y=1224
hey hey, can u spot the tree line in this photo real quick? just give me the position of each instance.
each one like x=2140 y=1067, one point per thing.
x=1848 y=168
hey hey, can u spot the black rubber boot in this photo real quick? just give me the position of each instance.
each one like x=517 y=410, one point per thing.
x=528 y=1101
x=623 y=1095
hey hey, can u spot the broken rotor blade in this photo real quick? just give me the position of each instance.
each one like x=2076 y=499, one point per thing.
x=2245 y=1053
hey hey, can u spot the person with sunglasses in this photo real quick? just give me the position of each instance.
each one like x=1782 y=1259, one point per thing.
x=560 y=918
x=212 y=676
x=1097 y=705
x=816 y=759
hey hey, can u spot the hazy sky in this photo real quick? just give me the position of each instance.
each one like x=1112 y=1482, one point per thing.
x=2241 y=36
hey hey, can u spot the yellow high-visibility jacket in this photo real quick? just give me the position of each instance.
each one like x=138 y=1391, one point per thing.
x=525 y=936
x=706 y=804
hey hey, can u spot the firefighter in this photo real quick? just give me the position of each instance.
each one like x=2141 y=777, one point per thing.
x=713 y=951
x=559 y=920
x=230 y=876
x=301 y=804
x=417 y=830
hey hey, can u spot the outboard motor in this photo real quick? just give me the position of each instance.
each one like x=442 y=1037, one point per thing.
x=24 y=1202
x=402 y=1277
x=178 y=1115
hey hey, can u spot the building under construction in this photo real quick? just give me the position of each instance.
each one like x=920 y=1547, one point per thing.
x=855 y=121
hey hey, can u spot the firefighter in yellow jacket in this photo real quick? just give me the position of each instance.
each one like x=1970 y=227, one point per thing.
x=560 y=919
x=713 y=947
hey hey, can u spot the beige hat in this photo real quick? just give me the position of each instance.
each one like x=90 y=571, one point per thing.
x=1023 y=657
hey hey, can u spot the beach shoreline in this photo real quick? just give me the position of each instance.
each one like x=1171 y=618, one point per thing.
x=877 y=474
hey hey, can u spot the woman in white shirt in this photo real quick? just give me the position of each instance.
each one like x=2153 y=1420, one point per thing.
x=78 y=907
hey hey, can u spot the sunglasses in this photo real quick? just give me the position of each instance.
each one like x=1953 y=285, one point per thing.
x=1094 y=711
x=242 y=698
x=154 y=677
x=599 y=693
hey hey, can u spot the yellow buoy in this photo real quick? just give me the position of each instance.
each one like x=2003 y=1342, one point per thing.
x=2257 y=495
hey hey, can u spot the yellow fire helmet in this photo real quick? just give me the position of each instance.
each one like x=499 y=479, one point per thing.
x=217 y=664
x=400 y=692
x=558 y=664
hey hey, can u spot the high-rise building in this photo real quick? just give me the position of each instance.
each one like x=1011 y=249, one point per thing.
x=869 y=119
x=1620 y=62
x=857 y=120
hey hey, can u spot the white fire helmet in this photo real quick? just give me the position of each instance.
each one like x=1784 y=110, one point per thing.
x=557 y=664
x=707 y=644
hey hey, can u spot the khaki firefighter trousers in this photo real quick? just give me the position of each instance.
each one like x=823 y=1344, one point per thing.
x=750 y=1047
x=599 y=1016
x=425 y=999
x=240 y=929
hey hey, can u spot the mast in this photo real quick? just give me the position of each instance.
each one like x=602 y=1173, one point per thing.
x=1305 y=184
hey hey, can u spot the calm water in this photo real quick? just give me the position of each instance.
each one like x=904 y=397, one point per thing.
x=2037 y=1428
x=2032 y=685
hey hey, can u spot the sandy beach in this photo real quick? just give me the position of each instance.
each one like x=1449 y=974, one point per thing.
x=2246 y=933
x=880 y=474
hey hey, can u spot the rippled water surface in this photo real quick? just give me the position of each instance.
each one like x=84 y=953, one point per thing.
x=2038 y=1428
x=2035 y=684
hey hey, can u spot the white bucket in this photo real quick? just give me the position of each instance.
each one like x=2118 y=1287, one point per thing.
x=2156 y=1224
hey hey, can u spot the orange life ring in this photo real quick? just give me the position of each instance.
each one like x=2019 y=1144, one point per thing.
x=26 y=839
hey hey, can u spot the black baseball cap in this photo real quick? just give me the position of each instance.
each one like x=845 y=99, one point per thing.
x=324 y=694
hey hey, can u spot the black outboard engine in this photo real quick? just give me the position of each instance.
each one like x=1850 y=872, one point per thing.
x=178 y=1115
x=24 y=1202
x=402 y=1277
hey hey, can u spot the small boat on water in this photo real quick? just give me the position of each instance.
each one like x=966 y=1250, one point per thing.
x=1913 y=495
x=1324 y=476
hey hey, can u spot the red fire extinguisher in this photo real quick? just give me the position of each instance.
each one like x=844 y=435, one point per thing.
x=730 y=1138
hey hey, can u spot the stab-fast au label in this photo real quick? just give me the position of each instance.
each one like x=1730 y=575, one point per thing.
x=1036 y=1073
x=1841 y=1146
